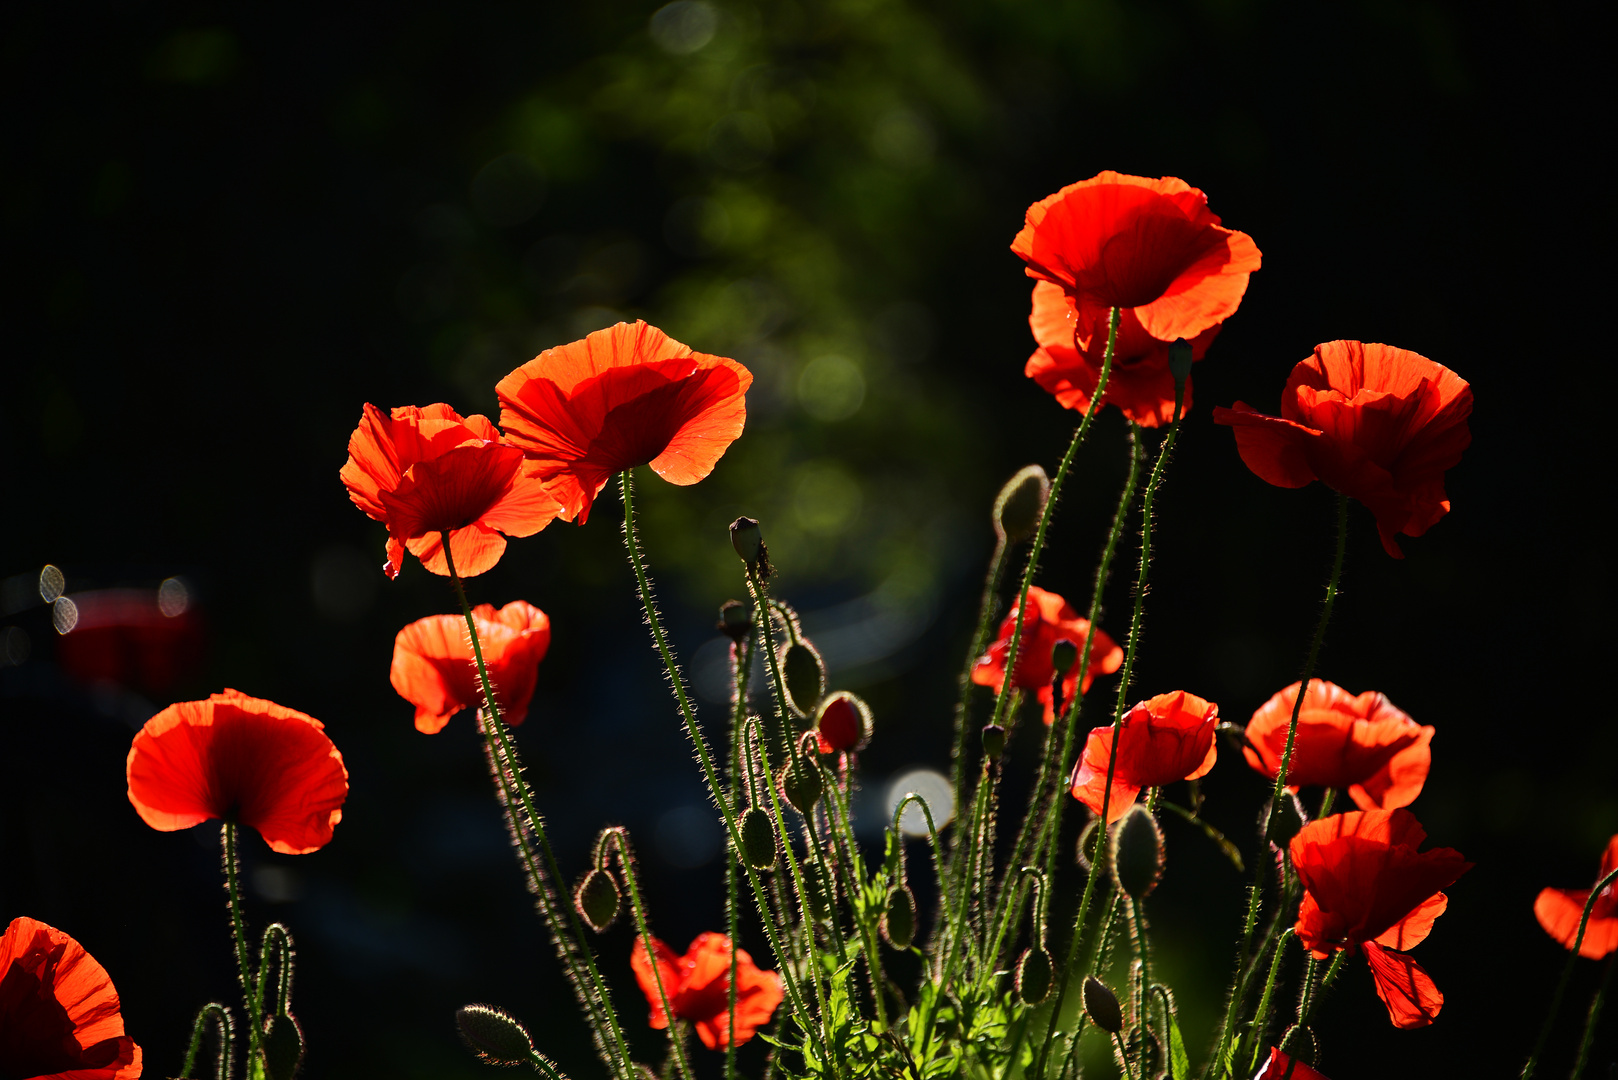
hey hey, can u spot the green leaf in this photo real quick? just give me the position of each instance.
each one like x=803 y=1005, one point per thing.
x=1179 y=1061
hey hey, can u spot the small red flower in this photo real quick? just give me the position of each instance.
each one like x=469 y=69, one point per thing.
x=1050 y=619
x=1559 y=912
x=1135 y=243
x=1141 y=384
x=59 y=1012
x=1379 y=424
x=1367 y=887
x=1166 y=738
x=698 y=988
x=423 y=472
x=1361 y=743
x=1279 y=1066
x=843 y=723
x=625 y=396
x=434 y=670
x=239 y=758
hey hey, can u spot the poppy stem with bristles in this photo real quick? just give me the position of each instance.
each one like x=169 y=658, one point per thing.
x=220 y=1015
x=238 y=935
x=1567 y=973
x=1592 y=1018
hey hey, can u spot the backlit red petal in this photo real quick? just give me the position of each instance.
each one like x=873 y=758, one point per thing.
x=1408 y=992
x=1279 y=1066
x=1273 y=448
x=59 y=1012
x=1559 y=912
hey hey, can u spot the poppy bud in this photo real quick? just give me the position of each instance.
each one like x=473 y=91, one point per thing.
x=1102 y=1006
x=1299 y=1044
x=994 y=741
x=1137 y=853
x=596 y=899
x=1064 y=654
x=1034 y=975
x=1290 y=817
x=1020 y=504
x=758 y=839
x=735 y=620
x=804 y=674
x=495 y=1036
x=898 y=924
x=748 y=540
x=800 y=785
x=842 y=723
x=1180 y=360
x=283 y=1047
x=816 y=893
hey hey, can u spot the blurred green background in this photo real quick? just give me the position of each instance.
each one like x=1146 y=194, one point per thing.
x=227 y=226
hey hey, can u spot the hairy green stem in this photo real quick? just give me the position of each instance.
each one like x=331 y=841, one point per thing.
x=1261 y=1017
x=1591 y=1018
x=619 y=838
x=238 y=935
x=980 y=639
x=220 y=1015
x=1567 y=973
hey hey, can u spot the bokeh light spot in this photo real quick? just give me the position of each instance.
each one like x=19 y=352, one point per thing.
x=173 y=597
x=64 y=615
x=935 y=791
x=831 y=388
x=52 y=583
x=684 y=27
x=827 y=499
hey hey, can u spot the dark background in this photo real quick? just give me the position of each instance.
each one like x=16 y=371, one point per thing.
x=227 y=226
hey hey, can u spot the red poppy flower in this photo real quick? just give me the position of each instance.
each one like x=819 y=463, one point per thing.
x=1367 y=887
x=1141 y=384
x=1361 y=743
x=423 y=472
x=239 y=758
x=843 y=722
x=1279 y=1066
x=434 y=670
x=625 y=396
x=1050 y=619
x=1559 y=912
x=127 y=636
x=698 y=988
x=1379 y=424
x=59 y=1012
x=1135 y=243
x=1166 y=738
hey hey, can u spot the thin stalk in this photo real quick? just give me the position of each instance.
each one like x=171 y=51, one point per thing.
x=1123 y=1055
x=741 y=667
x=1591 y=1018
x=854 y=871
x=220 y=1015
x=1142 y=949
x=1567 y=973
x=1097 y=963
x=238 y=936
x=1307 y=1014
x=278 y=940
x=980 y=640
x=626 y=866
x=1261 y=1017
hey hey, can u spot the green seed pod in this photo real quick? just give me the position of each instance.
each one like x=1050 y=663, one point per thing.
x=283 y=1047
x=1018 y=507
x=804 y=674
x=748 y=540
x=1137 y=853
x=1180 y=360
x=1299 y=1044
x=1102 y=1006
x=597 y=900
x=898 y=924
x=495 y=1036
x=1290 y=817
x=1034 y=975
x=758 y=839
x=1064 y=654
x=816 y=893
x=735 y=620
x=994 y=741
x=801 y=785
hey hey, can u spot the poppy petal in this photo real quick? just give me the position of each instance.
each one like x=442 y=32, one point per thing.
x=1413 y=929
x=1559 y=912
x=1271 y=447
x=668 y=971
x=1279 y=1066
x=1412 y=999
x=59 y=1010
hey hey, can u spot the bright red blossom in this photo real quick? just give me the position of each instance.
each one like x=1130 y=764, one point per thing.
x=59 y=1012
x=625 y=396
x=424 y=472
x=1559 y=912
x=1368 y=888
x=1279 y=1066
x=1379 y=424
x=434 y=669
x=1166 y=738
x=239 y=758
x=1050 y=618
x=842 y=723
x=1361 y=743
x=698 y=988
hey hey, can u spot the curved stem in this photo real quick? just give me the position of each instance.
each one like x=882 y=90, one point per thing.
x=279 y=940
x=1261 y=1017
x=1567 y=973
x=1591 y=1019
x=980 y=639
x=220 y=1015
x=619 y=838
x=238 y=935
x=1123 y=1055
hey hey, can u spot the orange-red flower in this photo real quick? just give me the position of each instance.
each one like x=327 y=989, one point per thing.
x=698 y=988
x=1559 y=912
x=1069 y=367
x=1367 y=887
x=1166 y=738
x=434 y=670
x=1050 y=618
x=243 y=759
x=59 y=1012
x=1279 y=1066
x=1131 y=242
x=422 y=472
x=1361 y=743
x=843 y=722
x=1379 y=424
x=625 y=396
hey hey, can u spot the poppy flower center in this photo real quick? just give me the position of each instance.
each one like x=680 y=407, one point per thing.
x=1140 y=262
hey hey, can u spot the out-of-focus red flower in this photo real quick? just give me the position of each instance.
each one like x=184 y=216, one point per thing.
x=434 y=670
x=625 y=396
x=1367 y=887
x=1379 y=424
x=1279 y=1066
x=842 y=723
x=125 y=636
x=59 y=1012
x=422 y=472
x=1166 y=738
x=1050 y=618
x=1141 y=384
x=698 y=988
x=1131 y=242
x=1559 y=912
x=1361 y=743
x=243 y=759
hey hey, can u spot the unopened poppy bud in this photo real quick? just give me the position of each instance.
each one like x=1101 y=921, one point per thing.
x=1180 y=360
x=801 y=786
x=898 y=924
x=843 y=722
x=1299 y=1044
x=804 y=674
x=1020 y=504
x=1034 y=975
x=817 y=894
x=748 y=540
x=597 y=900
x=1102 y=1006
x=1137 y=853
x=758 y=839
x=1289 y=818
x=283 y=1047
x=494 y=1035
x=735 y=620
x=1064 y=654
x=994 y=741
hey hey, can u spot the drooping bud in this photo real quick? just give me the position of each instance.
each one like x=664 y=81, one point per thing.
x=1064 y=654
x=1018 y=507
x=283 y=1047
x=1087 y=843
x=1137 y=853
x=1289 y=818
x=994 y=741
x=1299 y=1043
x=1102 y=1006
x=800 y=785
x=1034 y=975
x=758 y=839
x=843 y=722
x=898 y=924
x=748 y=540
x=1180 y=360
x=495 y=1036
x=735 y=620
x=597 y=900
x=804 y=674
